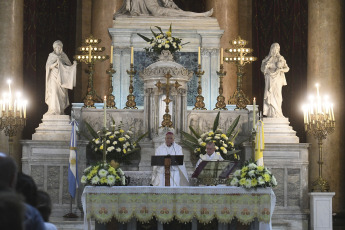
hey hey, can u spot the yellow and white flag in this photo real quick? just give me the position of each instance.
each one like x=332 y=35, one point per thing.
x=259 y=144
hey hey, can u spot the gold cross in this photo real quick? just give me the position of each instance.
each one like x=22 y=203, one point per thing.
x=166 y=117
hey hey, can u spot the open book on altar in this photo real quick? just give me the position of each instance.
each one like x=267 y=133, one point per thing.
x=159 y=160
x=212 y=172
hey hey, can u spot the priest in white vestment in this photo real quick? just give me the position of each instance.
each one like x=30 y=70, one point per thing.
x=178 y=174
x=60 y=76
x=210 y=155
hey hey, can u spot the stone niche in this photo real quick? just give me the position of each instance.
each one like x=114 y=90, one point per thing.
x=197 y=32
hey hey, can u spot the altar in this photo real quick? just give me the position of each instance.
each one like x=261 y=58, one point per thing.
x=284 y=155
x=223 y=203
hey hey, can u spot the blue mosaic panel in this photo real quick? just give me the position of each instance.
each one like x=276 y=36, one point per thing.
x=142 y=60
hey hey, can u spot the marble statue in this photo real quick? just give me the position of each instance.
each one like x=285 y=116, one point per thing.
x=156 y=8
x=274 y=68
x=60 y=76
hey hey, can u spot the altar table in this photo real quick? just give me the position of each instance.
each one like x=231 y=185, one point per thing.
x=183 y=203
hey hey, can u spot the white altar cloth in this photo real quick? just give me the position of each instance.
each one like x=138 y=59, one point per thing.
x=183 y=203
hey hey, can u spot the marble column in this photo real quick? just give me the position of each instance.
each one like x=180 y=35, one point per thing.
x=83 y=30
x=325 y=66
x=246 y=31
x=11 y=63
x=102 y=19
x=226 y=12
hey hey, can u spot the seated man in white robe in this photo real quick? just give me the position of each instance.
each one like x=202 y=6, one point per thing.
x=178 y=174
x=210 y=155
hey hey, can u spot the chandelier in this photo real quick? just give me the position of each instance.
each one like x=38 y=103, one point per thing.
x=12 y=114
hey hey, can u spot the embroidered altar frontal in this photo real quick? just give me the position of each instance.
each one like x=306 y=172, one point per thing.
x=183 y=203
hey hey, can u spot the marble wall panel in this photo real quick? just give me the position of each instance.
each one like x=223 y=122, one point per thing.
x=279 y=174
x=37 y=173
x=293 y=187
x=53 y=183
x=187 y=59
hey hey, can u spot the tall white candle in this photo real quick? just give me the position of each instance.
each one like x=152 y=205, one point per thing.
x=15 y=108
x=221 y=56
x=20 y=109
x=111 y=54
x=9 y=95
x=199 y=56
x=132 y=54
x=24 y=109
x=105 y=111
x=254 y=100
x=90 y=47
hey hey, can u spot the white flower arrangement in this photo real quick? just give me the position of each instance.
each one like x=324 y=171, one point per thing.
x=119 y=143
x=224 y=142
x=253 y=176
x=103 y=174
x=162 y=41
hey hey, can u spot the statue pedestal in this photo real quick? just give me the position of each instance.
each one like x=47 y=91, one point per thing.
x=321 y=210
x=278 y=130
x=46 y=161
x=54 y=127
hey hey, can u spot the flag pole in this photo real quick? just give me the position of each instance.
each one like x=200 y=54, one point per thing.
x=72 y=170
x=70 y=214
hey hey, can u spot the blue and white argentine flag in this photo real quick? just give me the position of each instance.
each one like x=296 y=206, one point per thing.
x=72 y=169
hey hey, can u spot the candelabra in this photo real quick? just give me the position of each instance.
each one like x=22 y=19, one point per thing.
x=319 y=121
x=199 y=104
x=130 y=104
x=221 y=105
x=89 y=57
x=110 y=96
x=12 y=115
x=167 y=117
x=240 y=59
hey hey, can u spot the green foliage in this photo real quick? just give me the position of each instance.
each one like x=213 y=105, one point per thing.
x=162 y=41
x=118 y=143
x=253 y=176
x=224 y=143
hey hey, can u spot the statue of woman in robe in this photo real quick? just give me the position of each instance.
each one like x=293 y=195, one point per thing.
x=60 y=76
x=274 y=68
x=156 y=8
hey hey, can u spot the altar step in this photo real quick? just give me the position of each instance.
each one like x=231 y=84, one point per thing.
x=278 y=130
x=69 y=223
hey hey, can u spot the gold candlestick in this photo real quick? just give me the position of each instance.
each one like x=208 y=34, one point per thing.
x=199 y=103
x=130 y=104
x=89 y=56
x=110 y=96
x=319 y=121
x=221 y=105
x=240 y=59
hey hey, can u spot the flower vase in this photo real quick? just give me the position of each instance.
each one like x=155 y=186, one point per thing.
x=114 y=164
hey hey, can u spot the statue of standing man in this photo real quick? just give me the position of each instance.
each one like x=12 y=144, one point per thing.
x=274 y=68
x=60 y=76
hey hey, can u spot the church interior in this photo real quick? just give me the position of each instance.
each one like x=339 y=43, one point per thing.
x=310 y=35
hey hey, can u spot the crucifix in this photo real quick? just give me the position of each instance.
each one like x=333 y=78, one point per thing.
x=167 y=117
